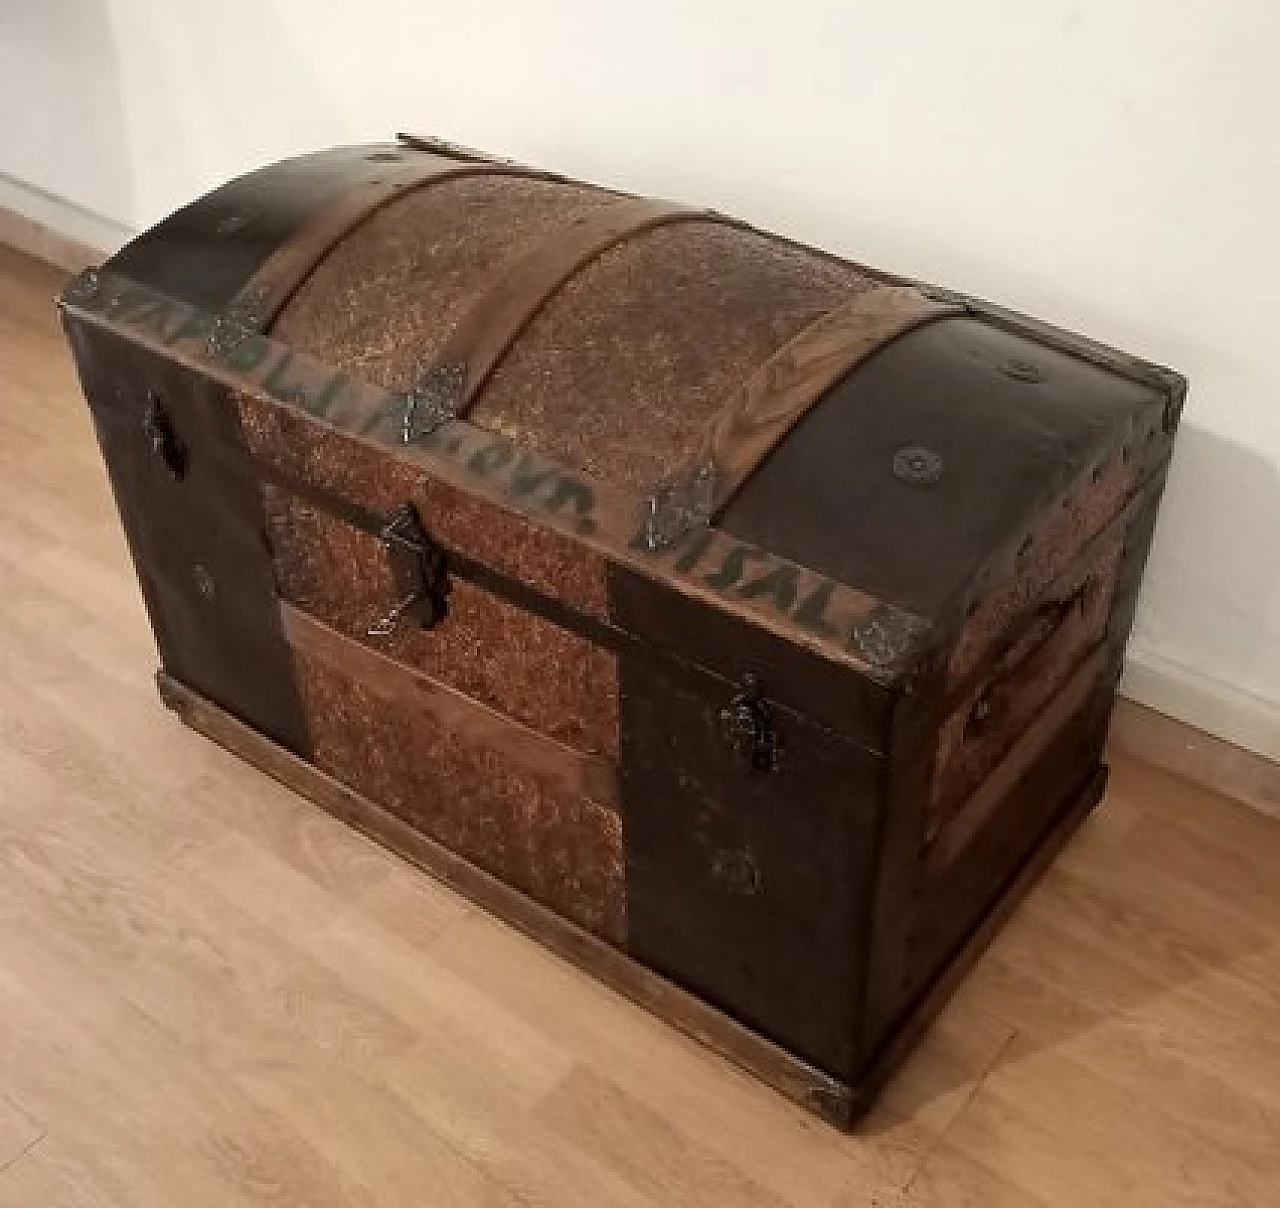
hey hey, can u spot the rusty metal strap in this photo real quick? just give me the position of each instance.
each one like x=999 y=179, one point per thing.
x=775 y=398
x=520 y=288
x=392 y=172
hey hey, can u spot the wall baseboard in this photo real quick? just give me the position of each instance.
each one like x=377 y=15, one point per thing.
x=1166 y=711
x=1177 y=746
x=55 y=230
x=1213 y=706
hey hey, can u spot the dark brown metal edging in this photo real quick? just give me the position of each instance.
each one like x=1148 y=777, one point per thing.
x=442 y=146
x=794 y=1078
x=840 y=1104
x=1124 y=364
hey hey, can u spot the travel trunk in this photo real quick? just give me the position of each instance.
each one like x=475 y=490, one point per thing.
x=741 y=622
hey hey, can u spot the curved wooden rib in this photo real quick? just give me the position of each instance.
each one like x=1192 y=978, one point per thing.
x=523 y=286
x=782 y=390
x=400 y=171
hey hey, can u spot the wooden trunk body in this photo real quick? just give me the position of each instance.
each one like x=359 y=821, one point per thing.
x=783 y=601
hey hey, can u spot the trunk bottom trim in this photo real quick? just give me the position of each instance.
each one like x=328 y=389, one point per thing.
x=837 y=1102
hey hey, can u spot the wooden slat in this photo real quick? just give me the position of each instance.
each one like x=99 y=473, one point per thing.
x=783 y=390
x=473 y=723
x=521 y=288
x=266 y=293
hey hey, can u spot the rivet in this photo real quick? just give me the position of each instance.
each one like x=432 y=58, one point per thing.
x=233 y=223
x=882 y=637
x=1022 y=371
x=84 y=288
x=736 y=869
x=917 y=464
x=204 y=581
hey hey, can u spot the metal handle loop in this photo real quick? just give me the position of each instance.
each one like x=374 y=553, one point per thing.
x=387 y=625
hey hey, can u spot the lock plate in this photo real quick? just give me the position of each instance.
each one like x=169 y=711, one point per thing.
x=748 y=728
x=419 y=571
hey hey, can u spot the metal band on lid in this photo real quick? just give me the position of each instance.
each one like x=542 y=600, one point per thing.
x=519 y=290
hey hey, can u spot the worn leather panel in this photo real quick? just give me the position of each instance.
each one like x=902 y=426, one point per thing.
x=206 y=251
x=829 y=498
x=749 y=888
x=200 y=543
x=197 y=541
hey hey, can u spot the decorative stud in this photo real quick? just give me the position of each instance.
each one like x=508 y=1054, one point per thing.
x=1022 y=371
x=435 y=399
x=204 y=581
x=83 y=288
x=228 y=334
x=918 y=465
x=234 y=223
x=883 y=636
x=685 y=502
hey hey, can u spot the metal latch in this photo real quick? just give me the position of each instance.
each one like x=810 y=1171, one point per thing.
x=166 y=444
x=419 y=570
x=747 y=725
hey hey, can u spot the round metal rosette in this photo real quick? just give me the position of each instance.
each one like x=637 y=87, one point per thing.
x=917 y=464
x=885 y=636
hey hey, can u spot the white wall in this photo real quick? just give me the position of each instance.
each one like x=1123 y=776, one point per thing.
x=1114 y=167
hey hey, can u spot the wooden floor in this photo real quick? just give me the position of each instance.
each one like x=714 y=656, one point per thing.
x=213 y=994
